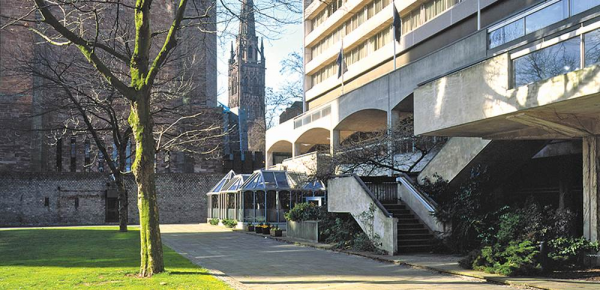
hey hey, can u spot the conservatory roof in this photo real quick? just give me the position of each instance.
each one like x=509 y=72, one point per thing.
x=269 y=180
x=222 y=182
x=235 y=183
x=314 y=185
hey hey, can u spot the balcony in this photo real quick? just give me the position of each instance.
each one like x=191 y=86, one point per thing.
x=514 y=96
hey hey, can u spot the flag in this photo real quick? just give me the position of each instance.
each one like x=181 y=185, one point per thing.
x=397 y=24
x=340 y=61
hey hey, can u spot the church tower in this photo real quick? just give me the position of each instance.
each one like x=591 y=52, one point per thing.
x=247 y=82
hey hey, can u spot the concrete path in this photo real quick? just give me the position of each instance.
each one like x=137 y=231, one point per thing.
x=261 y=263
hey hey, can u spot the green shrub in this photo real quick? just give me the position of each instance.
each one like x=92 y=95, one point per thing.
x=569 y=252
x=519 y=258
x=305 y=212
x=230 y=223
x=214 y=221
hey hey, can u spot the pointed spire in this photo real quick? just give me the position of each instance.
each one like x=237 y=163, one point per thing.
x=247 y=26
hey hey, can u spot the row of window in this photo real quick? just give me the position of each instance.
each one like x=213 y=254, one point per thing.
x=557 y=59
x=331 y=8
x=361 y=51
x=350 y=25
x=86 y=155
x=425 y=12
x=536 y=18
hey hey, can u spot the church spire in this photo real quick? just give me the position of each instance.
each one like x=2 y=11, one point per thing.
x=247 y=26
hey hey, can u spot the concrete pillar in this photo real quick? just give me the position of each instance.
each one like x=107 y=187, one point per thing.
x=296 y=149
x=334 y=141
x=393 y=117
x=590 y=187
x=269 y=159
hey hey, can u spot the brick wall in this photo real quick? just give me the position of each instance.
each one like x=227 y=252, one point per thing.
x=80 y=198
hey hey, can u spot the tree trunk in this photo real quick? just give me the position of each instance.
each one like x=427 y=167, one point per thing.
x=123 y=203
x=142 y=124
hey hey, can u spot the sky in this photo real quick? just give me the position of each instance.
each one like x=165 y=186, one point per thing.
x=280 y=41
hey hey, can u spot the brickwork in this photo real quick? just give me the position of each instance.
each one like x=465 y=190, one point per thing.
x=29 y=134
x=80 y=198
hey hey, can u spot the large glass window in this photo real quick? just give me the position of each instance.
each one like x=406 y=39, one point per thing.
x=260 y=206
x=578 y=6
x=249 y=206
x=592 y=47
x=507 y=33
x=284 y=204
x=548 y=62
x=549 y=15
x=530 y=21
x=271 y=206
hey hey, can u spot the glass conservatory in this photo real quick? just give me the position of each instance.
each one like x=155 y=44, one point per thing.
x=263 y=197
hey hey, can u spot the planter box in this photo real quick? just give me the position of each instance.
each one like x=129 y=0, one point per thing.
x=258 y=230
x=250 y=228
x=276 y=233
x=306 y=230
x=266 y=231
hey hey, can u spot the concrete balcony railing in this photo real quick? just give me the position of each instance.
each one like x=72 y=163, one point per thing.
x=478 y=101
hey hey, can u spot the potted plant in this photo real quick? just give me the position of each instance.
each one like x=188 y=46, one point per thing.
x=250 y=227
x=258 y=228
x=266 y=229
x=276 y=232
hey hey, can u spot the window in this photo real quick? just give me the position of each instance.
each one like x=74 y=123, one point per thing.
x=592 y=47
x=100 y=162
x=533 y=20
x=87 y=154
x=73 y=165
x=59 y=155
x=547 y=16
x=425 y=12
x=578 y=6
x=548 y=62
x=507 y=33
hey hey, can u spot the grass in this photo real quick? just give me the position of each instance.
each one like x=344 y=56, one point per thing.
x=91 y=258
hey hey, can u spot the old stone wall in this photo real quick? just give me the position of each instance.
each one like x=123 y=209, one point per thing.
x=52 y=198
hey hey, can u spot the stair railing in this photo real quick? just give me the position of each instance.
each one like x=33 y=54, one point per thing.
x=420 y=203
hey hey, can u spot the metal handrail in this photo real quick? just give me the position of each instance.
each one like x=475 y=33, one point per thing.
x=366 y=189
x=429 y=203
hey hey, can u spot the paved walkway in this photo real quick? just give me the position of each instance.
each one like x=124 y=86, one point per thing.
x=262 y=263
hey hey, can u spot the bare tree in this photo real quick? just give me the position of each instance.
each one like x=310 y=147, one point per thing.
x=289 y=91
x=132 y=58
x=367 y=153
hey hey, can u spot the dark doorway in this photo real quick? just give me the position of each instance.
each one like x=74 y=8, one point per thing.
x=112 y=206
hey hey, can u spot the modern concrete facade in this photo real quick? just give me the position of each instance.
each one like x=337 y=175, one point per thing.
x=514 y=84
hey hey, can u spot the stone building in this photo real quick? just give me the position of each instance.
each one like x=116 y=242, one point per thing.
x=31 y=139
x=53 y=176
x=247 y=82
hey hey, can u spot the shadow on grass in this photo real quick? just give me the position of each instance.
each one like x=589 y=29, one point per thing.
x=104 y=247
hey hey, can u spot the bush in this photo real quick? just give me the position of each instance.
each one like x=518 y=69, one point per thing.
x=569 y=252
x=229 y=223
x=214 y=221
x=306 y=212
x=519 y=258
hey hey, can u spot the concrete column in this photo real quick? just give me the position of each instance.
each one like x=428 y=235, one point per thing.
x=393 y=117
x=296 y=149
x=334 y=141
x=591 y=152
x=269 y=159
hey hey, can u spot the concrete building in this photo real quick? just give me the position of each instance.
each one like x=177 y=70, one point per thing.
x=514 y=84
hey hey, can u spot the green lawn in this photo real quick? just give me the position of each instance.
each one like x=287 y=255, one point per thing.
x=94 y=257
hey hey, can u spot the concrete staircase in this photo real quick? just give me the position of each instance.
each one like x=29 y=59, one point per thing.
x=413 y=236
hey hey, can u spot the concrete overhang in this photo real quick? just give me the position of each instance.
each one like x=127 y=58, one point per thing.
x=478 y=102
